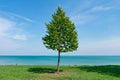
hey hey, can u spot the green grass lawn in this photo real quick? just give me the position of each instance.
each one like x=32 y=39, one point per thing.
x=17 y=72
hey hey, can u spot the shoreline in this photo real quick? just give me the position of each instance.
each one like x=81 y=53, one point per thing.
x=53 y=65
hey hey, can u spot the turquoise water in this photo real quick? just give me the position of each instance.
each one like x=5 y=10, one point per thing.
x=65 y=60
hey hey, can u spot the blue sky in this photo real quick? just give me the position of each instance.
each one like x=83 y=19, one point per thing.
x=22 y=25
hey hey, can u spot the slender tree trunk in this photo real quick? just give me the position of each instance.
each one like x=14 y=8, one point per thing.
x=58 y=62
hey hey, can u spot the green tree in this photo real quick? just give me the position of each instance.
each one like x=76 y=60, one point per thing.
x=61 y=34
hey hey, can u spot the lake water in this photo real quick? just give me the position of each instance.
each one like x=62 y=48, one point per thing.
x=65 y=60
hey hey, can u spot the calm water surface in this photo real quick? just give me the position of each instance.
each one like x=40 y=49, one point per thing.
x=65 y=60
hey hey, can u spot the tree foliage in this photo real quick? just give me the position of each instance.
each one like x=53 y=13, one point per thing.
x=61 y=33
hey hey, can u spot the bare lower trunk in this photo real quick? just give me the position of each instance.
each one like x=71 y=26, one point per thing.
x=58 y=62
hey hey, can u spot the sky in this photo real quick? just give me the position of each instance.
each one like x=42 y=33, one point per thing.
x=22 y=26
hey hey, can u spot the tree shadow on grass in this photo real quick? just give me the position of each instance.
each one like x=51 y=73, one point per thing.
x=43 y=70
x=113 y=70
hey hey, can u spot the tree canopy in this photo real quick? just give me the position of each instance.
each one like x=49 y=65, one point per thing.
x=61 y=33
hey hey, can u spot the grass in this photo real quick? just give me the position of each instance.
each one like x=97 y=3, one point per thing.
x=30 y=72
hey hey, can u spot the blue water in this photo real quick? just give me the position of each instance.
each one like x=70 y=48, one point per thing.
x=65 y=60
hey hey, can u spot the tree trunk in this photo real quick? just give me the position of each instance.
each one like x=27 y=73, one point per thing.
x=58 y=62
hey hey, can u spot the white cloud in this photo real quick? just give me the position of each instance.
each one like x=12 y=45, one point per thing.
x=9 y=29
x=12 y=33
x=86 y=17
x=9 y=38
x=102 y=47
x=20 y=37
x=17 y=16
x=7 y=44
x=8 y=32
x=5 y=25
x=101 y=8
x=22 y=17
x=81 y=19
x=83 y=14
